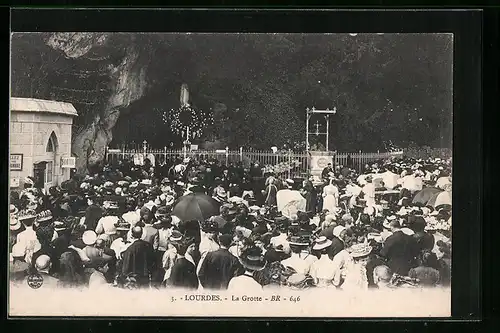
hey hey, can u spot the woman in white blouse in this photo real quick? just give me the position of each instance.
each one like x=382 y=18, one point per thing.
x=323 y=270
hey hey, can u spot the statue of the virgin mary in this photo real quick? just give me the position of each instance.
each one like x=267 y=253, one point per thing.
x=184 y=95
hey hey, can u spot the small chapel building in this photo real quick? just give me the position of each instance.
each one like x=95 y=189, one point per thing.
x=40 y=141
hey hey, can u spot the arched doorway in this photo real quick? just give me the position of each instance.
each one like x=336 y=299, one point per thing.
x=51 y=153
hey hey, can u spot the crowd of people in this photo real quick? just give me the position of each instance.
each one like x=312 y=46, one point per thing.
x=388 y=226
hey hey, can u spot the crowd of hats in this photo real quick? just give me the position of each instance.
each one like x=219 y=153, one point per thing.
x=127 y=193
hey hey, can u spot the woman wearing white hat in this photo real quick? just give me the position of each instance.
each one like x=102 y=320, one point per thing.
x=27 y=241
x=16 y=228
x=323 y=271
x=355 y=269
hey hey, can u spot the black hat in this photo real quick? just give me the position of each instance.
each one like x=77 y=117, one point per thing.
x=225 y=240
x=299 y=240
x=164 y=222
x=253 y=259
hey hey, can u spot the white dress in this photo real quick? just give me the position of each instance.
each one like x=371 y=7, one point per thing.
x=301 y=264
x=244 y=283
x=323 y=271
x=355 y=276
x=369 y=191
x=330 y=197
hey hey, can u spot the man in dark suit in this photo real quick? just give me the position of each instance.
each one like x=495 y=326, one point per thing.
x=93 y=213
x=219 y=266
x=138 y=258
x=400 y=250
x=326 y=171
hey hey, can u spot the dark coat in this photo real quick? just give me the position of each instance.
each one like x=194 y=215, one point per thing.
x=138 y=259
x=325 y=172
x=191 y=229
x=217 y=269
x=401 y=251
x=272 y=255
x=425 y=240
x=235 y=190
x=336 y=247
x=328 y=232
x=183 y=275
x=270 y=195
x=93 y=214
x=311 y=198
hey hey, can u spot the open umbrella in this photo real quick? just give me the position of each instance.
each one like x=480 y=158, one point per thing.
x=440 y=199
x=423 y=197
x=195 y=206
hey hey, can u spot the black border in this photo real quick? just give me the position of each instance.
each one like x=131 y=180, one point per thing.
x=468 y=191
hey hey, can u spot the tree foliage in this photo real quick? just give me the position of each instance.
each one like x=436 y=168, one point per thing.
x=385 y=87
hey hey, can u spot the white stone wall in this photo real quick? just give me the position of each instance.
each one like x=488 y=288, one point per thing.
x=29 y=135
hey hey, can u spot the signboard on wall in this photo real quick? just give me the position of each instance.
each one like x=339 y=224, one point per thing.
x=14 y=182
x=16 y=162
x=68 y=162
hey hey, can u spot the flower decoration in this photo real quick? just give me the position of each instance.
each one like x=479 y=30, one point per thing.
x=282 y=167
x=180 y=119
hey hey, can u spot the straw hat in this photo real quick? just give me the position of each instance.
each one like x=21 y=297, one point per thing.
x=108 y=184
x=391 y=221
x=254 y=208
x=407 y=231
x=360 y=250
x=29 y=181
x=110 y=205
x=26 y=215
x=321 y=243
x=175 y=237
x=14 y=224
x=59 y=226
x=89 y=237
x=123 y=227
x=46 y=215
x=302 y=240
x=13 y=209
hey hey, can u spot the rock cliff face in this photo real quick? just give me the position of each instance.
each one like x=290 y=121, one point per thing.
x=126 y=77
x=257 y=86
